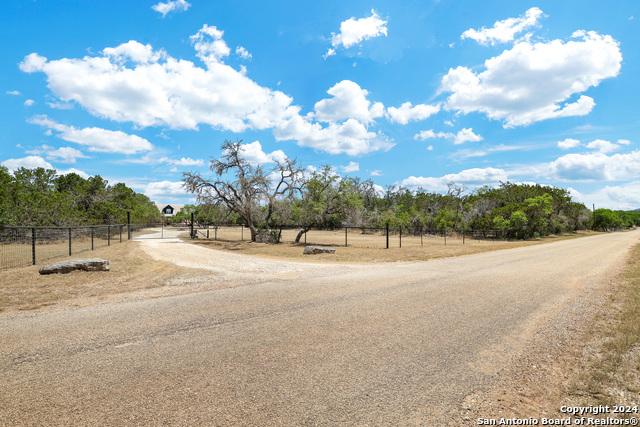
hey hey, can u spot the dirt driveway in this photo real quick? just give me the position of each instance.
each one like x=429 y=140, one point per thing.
x=299 y=343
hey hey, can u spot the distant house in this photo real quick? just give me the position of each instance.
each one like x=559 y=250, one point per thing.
x=169 y=211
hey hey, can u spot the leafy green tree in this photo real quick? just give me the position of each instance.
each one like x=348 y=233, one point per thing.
x=327 y=198
x=242 y=186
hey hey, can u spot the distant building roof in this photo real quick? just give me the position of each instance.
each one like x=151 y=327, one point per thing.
x=169 y=209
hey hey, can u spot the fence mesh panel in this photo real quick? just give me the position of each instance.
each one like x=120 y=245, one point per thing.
x=23 y=246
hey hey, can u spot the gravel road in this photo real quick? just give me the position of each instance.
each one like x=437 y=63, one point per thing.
x=297 y=343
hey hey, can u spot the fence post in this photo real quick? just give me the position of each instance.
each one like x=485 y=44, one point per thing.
x=69 y=241
x=445 y=236
x=242 y=233
x=91 y=238
x=128 y=225
x=421 y=243
x=120 y=227
x=33 y=245
x=305 y=238
x=463 y=236
x=387 y=234
x=207 y=234
x=345 y=236
x=162 y=231
x=108 y=235
x=401 y=236
x=215 y=233
x=193 y=236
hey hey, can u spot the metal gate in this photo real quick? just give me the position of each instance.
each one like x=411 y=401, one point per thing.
x=160 y=231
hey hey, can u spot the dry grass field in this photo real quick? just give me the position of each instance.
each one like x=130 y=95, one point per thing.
x=24 y=289
x=364 y=248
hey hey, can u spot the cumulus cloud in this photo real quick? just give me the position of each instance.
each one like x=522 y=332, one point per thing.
x=351 y=167
x=465 y=135
x=171 y=6
x=242 y=53
x=134 y=83
x=596 y=166
x=64 y=154
x=157 y=90
x=133 y=51
x=535 y=81
x=353 y=31
x=350 y=137
x=603 y=146
x=349 y=101
x=505 y=31
x=622 y=197
x=13 y=92
x=166 y=190
x=96 y=139
x=209 y=44
x=407 y=112
x=29 y=102
x=475 y=177
x=253 y=153
x=568 y=143
x=29 y=162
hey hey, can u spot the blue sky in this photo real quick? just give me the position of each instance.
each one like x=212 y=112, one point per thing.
x=417 y=94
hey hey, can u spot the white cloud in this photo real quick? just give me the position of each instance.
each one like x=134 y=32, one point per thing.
x=350 y=137
x=253 y=153
x=65 y=155
x=171 y=6
x=603 y=146
x=134 y=51
x=470 y=177
x=349 y=101
x=167 y=190
x=29 y=102
x=60 y=105
x=29 y=162
x=163 y=91
x=504 y=31
x=97 y=139
x=329 y=53
x=568 y=143
x=465 y=135
x=13 y=92
x=535 y=81
x=622 y=197
x=351 y=167
x=242 y=53
x=209 y=44
x=624 y=142
x=375 y=173
x=353 y=31
x=407 y=112
x=594 y=167
x=185 y=161
x=135 y=83
x=83 y=174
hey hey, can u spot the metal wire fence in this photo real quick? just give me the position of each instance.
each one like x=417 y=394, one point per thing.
x=23 y=246
x=364 y=237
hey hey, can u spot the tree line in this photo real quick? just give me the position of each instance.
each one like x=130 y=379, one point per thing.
x=41 y=197
x=240 y=192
